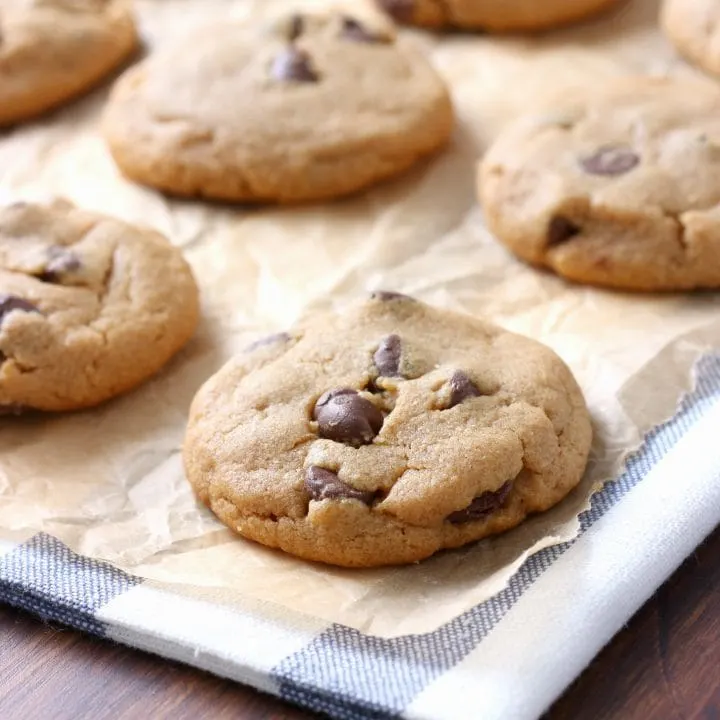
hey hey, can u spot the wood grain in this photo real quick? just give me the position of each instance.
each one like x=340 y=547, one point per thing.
x=49 y=672
x=665 y=665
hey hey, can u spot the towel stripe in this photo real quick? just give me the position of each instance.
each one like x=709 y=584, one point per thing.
x=45 y=577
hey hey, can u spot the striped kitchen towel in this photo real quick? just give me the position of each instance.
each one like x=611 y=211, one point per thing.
x=512 y=655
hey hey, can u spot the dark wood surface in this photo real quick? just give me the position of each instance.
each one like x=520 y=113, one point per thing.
x=664 y=665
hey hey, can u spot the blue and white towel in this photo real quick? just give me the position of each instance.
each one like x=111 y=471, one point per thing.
x=511 y=656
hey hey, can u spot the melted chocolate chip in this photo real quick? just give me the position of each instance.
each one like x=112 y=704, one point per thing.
x=461 y=388
x=62 y=261
x=294 y=65
x=482 y=506
x=267 y=340
x=9 y=303
x=297 y=27
x=402 y=10
x=611 y=160
x=387 y=356
x=344 y=416
x=389 y=295
x=560 y=230
x=323 y=484
x=12 y=409
x=354 y=30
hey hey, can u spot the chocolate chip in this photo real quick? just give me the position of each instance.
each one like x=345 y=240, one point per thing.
x=344 y=416
x=461 y=388
x=560 y=230
x=12 y=409
x=611 y=160
x=389 y=295
x=482 y=506
x=323 y=484
x=267 y=340
x=294 y=64
x=8 y=303
x=402 y=10
x=354 y=30
x=62 y=261
x=387 y=356
x=297 y=26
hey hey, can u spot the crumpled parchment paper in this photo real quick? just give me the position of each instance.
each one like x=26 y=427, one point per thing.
x=109 y=482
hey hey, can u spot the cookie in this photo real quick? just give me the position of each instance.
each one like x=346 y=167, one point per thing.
x=616 y=185
x=89 y=306
x=53 y=50
x=313 y=107
x=493 y=15
x=693 y=26
x=385 y=433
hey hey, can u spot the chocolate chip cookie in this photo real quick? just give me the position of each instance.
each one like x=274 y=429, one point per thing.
x=89 y=306
x=616 y=186
x=53 y=50
x=493 y=15
x=385 y=433
x=693 y=26
x=313 y=107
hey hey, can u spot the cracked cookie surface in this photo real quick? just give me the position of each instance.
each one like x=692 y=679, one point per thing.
x=316 y=106
x=53 y=50
x=385 y=433
x=616 y=187
x=89 y=306
x=493 y=15
x=693 y=26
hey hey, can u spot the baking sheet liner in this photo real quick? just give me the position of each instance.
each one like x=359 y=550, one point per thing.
x=109 y=482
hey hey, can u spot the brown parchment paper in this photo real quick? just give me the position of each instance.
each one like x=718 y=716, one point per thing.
x=110 y=483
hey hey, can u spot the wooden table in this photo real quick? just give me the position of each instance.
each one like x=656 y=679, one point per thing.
x=664 y=665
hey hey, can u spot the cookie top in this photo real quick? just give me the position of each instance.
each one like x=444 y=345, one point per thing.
x=384 y=433
x=693 y=26
x=615 y=186
x=493 y=15
x=89 y=306
x=52 y=50
x=314 y=106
